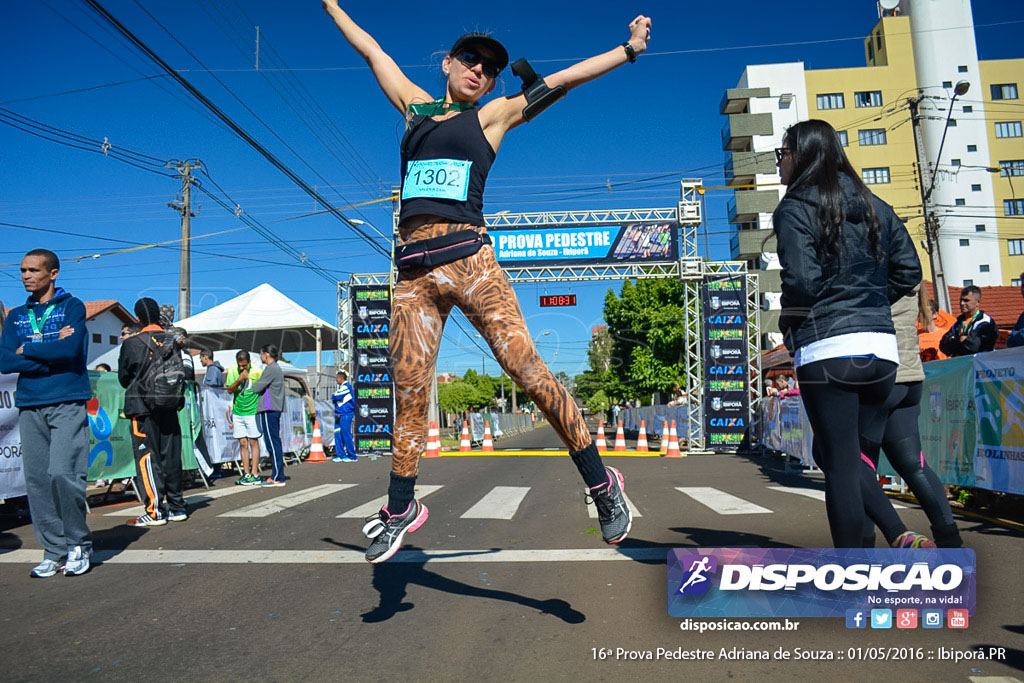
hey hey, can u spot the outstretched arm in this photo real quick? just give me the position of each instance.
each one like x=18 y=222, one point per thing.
x=507 y=113
x=399 y=90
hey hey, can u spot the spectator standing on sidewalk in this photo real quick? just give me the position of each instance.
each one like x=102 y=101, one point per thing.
x=1016 y=337
x=214 y=376
x=344 y=400
x=45 y=342
x=242 y=416
x=155 y=430
x=974 y=331
x=270 y=387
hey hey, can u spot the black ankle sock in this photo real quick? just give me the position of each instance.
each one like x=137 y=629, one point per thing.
x=947 y=536
x=588 y=462
x=400 y=493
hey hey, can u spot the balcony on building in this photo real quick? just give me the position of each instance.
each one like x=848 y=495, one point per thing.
x=745 y=206
x=740 y=129
x=741 y=168
x=737 y=100
x=747 y=245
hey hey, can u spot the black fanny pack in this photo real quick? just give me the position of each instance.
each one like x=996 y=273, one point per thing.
x=437 y=251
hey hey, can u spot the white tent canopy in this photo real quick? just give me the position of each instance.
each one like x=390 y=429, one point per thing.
x=260 y=316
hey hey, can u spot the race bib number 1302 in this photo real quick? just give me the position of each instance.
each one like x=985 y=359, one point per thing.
x=437 y=179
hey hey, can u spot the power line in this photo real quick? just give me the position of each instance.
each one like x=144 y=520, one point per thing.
x=269 y=156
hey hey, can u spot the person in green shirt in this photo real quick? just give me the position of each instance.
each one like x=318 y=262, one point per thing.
x=242 y=416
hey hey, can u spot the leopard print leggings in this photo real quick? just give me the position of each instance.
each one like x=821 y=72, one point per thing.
x=423 y=298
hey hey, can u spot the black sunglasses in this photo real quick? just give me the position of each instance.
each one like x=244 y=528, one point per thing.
x=781 y=152
x=471 y=59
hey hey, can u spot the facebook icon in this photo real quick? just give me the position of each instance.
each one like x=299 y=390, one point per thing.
x=856 y=618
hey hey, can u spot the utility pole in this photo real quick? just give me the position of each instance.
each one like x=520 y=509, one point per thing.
x=184 y=169
x=931 y=222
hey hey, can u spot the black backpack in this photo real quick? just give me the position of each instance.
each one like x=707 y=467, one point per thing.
x=162 y=380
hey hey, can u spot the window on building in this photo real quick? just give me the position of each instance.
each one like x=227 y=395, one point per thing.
x=871 y=136
x=968 y=109
x=844 y=139
x=954 y=162
x=947 y=84
x=951 y=123
x=112 y=340
x=968 y=283
x=1008 y=129
x=1003 y=91
x=96 y=338
x=979 y=228
x=875 y=176
x=831 y=101
x=975 y=187
x=868 y=98
x=972 y=148
x=1013 y=207
x=878 y=40
x=965 y=242
x=960 y=202
x=1011 y=167
x=871 y=51
x=1015 y=282
x=983 y=268
x=1015 y=247
x=961 y=69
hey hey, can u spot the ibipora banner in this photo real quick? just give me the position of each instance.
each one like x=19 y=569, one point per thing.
x=726 y=371
x=375 y=401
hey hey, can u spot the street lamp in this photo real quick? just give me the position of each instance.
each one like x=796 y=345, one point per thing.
x=356 y=221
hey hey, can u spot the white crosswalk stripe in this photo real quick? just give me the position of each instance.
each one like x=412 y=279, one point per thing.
x=193 y=499
x=592 y=509
x=374 y=506
x=289 y=500
x=501 y=502
x=721 y=502
x=815 y=494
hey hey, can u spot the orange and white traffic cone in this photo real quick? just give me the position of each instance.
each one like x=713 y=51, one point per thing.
x=602 y=447
x=433 y=442
x=316 y=451
x=673 y=443
x=465 y=446
x=641 y=441
x=488 y=444
x=664 y=438
x=620 y=439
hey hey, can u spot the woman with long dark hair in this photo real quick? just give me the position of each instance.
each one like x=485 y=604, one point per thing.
x=845 y=257
x=445 y=259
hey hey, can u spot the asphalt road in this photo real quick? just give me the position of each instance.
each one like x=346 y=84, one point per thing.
x=256 y=586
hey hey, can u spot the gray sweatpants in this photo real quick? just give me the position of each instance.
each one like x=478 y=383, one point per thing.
x=55 y=459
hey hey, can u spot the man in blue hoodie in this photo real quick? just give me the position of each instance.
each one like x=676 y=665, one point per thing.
x=45 y=342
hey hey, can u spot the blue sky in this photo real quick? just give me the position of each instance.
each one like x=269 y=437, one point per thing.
x=647 y=124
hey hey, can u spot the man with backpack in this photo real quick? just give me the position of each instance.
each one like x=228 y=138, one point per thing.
x=153 y=375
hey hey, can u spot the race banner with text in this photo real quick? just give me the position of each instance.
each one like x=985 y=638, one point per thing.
x=999 y=403
x=583 y=244
x=12 y=480
x=375 y=403
x=726 y=367
x=817 y=582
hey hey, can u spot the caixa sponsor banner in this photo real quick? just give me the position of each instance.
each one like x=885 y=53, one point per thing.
x=817 y=582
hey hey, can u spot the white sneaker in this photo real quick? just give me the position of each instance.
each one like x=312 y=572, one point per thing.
x=45 y=569
x=177 y=516
x=77 y=562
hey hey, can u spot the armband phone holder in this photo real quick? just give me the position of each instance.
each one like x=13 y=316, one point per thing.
x=539 y=96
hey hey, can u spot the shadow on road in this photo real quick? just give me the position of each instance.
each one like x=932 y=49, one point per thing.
x=391 y=581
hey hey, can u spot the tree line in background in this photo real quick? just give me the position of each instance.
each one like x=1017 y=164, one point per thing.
x=639 y=354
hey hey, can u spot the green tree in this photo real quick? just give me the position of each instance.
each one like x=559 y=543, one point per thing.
x=457 y=396
x=645 y=323
x=599 y=403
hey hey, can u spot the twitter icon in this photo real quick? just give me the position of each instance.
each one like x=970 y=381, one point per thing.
x=881 y=618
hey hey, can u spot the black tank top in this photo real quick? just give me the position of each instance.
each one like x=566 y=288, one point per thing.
x=459 y=139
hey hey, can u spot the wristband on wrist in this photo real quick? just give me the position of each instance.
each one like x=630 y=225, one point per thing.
x=630 y=52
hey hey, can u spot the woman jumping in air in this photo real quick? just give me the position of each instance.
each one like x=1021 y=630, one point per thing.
x=445 y=259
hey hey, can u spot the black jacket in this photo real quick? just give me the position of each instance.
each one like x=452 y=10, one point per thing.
x=981 y=333
x=852 y=294
x=134 y=357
